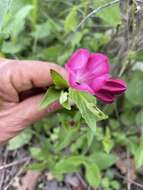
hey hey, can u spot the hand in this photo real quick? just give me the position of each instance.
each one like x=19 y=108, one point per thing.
x=19 y=82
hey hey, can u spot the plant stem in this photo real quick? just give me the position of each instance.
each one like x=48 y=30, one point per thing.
x=34 y=13
x=95 y=11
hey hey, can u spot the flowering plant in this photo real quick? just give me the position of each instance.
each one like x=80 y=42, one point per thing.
x=89 y=72
x=88 y=79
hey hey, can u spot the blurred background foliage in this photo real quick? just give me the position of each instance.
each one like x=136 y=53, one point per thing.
x=48 y=30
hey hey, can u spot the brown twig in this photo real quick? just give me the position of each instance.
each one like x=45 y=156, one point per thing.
x=81 y=180
x=14 y=163
x=128 y=180
x=128 y=171
x=3 y=173
x=18 y=173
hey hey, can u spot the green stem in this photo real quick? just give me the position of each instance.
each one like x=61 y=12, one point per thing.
x=34 y=13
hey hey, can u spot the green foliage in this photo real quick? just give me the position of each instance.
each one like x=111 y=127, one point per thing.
x=103 y=160
x=50 y=96
x=83 y=105
x=86 y=103
x=139 y=153
x=4 y=5
x=107 y=141
x=68 y=165
x=135 y=96
x=107 y=15
x=63 y=142
x=72 y=164
x=58 y=80
x=92 y=174
x=22 y=139
x=71 y=20
x=16 y=24
x=65 y=100
x=42 y=30
x=65 y=137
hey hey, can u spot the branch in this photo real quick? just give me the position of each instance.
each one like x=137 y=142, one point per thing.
x=130 y=181
x=14 y=163
x=95 y=11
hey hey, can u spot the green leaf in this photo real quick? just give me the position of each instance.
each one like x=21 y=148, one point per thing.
x=139 y=118
x=103 y=160
x=99 y=114
x=51 y=53
x=73 y=163
x=17 y=23
x=37 y=166
x=9 y=47
x=68 y=165
x=90 y=137
x=81 y=99
x=79 y=143
x=66 y=137
x=71 y=20
x=92 y=174
x=50 y=96
x=76 y=38
x=64 y=100
x=63 y=97
x=20 y=140
x=135 y=96
x=86 y=104
x=42 y=30
x=107 y=141
x=139 y=153
x=37 y=153
x=58 y=80
x=107 y=15
x=4 y=7
x=43 y=154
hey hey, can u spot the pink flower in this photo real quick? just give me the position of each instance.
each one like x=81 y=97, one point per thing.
x=89 y=72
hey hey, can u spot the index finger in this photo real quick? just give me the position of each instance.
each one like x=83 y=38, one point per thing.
x=25 y=75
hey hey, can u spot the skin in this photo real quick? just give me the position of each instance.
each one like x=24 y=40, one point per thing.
x=20 y=94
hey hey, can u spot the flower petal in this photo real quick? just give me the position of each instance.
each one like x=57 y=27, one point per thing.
x=98 y=83
x=98 y=64
x=78 y=60
x=82 y=87
x=105 y=96
x=116 y=86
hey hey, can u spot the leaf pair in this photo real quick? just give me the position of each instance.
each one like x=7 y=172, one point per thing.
x=54 y=92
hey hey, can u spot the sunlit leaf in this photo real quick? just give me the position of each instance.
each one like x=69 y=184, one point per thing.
x=64 y=100
x=71 y=20
x=20 y=140
x=50 y=96
x=92 y=174
x=107 y=141
x=86 y=104
x=4 y=7
x=58 y=80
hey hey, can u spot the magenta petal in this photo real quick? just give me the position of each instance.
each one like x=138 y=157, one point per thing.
x=97 y=83
x=105 y=96
x=116 y=86
x=98 y=64
x=90 y=72
x=82 y=87
x=78 y=60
